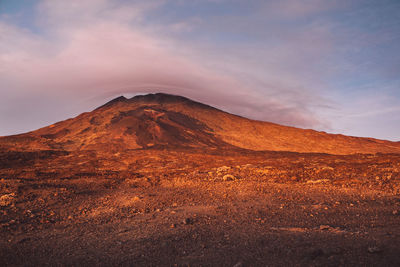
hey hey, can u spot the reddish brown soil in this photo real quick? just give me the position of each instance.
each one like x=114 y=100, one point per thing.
x=154 y=207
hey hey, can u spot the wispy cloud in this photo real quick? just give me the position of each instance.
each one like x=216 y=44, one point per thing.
x=99 y=47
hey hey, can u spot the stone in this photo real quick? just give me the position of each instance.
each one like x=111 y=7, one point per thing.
x=187 y=221
x=374 y=249
x=320 y=181
x=228 y=177
x=7 y=200
x=324 y=227
x=135 y=198
x=239 y=264
x=223 y=169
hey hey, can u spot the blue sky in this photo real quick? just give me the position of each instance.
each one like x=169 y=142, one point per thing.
x=327 y=65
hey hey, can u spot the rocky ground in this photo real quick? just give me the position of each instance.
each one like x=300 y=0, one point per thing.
x=155 y=207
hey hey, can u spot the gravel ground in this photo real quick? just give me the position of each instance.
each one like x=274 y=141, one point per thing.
x=199 y=208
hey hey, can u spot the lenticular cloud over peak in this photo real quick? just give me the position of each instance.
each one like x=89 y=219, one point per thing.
x=79 y=54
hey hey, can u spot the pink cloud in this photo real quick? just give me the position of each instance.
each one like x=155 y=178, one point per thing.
x=92 y=58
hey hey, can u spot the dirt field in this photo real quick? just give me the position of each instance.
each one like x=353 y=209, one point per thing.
x=154 y=207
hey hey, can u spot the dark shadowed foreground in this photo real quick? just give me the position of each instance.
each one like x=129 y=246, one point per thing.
x=199 y=207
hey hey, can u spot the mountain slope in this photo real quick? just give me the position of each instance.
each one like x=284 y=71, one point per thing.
x=161 y=120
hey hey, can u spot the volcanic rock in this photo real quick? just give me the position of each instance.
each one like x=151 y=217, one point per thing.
x=169 y=121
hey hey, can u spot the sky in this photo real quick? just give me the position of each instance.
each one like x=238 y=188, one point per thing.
x=332 y=66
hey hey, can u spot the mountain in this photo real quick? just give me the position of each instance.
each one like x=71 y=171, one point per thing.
x=169 y=121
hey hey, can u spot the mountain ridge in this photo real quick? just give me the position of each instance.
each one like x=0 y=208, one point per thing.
x=170 y=121
x=160 y=98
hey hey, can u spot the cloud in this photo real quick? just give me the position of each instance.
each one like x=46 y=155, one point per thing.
x=92 y=50
x=295 y=9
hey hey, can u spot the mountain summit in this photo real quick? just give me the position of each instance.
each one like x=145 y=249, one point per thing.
x=170 y=121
